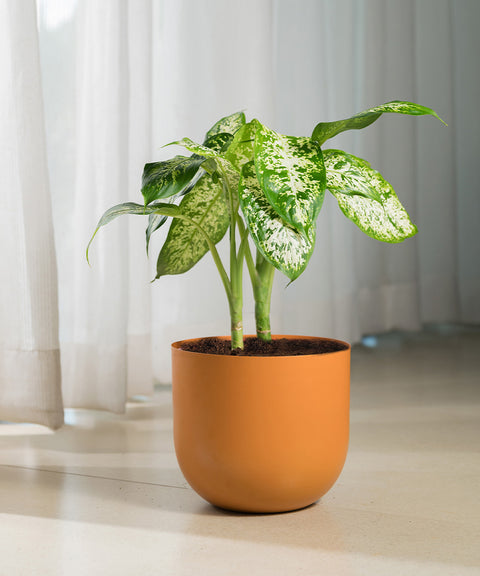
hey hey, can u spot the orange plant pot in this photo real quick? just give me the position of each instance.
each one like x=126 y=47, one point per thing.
x=261 y=433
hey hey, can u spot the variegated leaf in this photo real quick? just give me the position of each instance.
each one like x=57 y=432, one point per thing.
x=227 y=167
x=240 y=150
x=195 y=148
x=219 y=142
x=325 y=130
x=346 y=173
x=290 y=171
x=161 y=208
x=185 y=244
x=281 y=244
x=156 y=221
x=165 y=179
x=228 y=124
x=366 y=198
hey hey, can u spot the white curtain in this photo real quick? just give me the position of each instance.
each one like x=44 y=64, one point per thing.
x=29 y=349
x=121 y=78
x=99 y=136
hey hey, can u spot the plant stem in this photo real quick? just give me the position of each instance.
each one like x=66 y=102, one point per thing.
x=236 y=274
x=261 y=276
x=236 y=300
x=263 y=294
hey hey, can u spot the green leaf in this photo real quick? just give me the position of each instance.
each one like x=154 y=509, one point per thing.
x=165 y=179
x=281 y=244
x=325 y=130
x=240 y=150
x=228 y=124
x=366 y=198
x=202 y=150
x=290 y=171
x=185 y=244
x=346 y=174
x=227 y=168
x=219 y=142
x=133 y=208
x=196 y=149
x=156 y=221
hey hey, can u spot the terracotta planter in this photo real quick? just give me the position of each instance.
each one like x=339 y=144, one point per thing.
x=261 y=434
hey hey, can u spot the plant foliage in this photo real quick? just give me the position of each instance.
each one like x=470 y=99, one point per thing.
x=266 y=188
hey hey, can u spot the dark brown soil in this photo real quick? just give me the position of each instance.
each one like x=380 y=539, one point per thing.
x=255 y=347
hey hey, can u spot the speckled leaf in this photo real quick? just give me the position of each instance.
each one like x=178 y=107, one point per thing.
x=156 y=221
x=325 y=130
x=228 y=124
x=281 y=244
x=290 y=171
x=346 y=174
x=240 y=150
x=133 y=208
x=195 y=148
x=164 y=179
x=366 y=198
x=226 y=166
x=219 y=142
x=185 y=244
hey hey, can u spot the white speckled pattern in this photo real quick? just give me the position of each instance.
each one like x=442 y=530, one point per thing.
x=104 y=495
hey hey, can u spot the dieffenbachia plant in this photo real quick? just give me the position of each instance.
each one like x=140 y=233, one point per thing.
x=264 y=186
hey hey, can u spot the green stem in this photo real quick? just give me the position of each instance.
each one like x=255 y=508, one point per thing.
x=236 y=274
x=236 y=301
x=263 y=295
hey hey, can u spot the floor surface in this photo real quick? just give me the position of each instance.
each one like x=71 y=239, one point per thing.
x=104 y=494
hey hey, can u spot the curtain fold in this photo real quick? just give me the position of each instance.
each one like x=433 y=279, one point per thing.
x=123 y=77
x=30 y=382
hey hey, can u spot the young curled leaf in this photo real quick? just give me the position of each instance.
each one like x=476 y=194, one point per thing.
x=325 y=130
x=366 y=198
x=291 y=172
x=279 y=242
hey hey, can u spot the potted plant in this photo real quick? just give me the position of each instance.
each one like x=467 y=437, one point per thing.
x=261 y=422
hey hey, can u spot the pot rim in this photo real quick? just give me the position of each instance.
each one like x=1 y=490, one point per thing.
x=177 y=346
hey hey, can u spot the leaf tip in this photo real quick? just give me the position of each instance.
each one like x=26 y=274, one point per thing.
x=88 y=247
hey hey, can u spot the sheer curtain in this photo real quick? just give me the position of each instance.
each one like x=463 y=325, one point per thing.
x=29 y=349
x=99 y=137
x=368 y=52
x=121 y=78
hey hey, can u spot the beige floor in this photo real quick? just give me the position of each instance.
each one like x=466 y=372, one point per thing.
x=104 y=495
